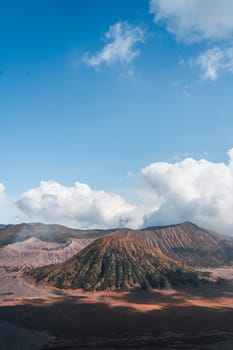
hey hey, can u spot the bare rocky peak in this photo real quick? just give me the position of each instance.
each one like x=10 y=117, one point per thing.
x=186 y=242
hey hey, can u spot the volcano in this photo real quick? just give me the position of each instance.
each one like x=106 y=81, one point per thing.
x=117 y=263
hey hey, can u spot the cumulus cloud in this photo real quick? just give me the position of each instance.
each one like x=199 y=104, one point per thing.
x=214 y=62
x=78 y=205
x=121 y=46
x=194 y=190
x=185 y=190
x=195 y=20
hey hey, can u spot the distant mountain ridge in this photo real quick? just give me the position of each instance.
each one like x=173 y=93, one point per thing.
x=47 y=232
x=185 y=242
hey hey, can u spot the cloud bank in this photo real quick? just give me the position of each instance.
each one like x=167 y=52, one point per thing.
x=186 y=190
x=195 y=20
x=194 y=190
x=78 y=205
x=122 y=40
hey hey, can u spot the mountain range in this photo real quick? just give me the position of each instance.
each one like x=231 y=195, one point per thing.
x=116 y=259
x=49 y=233
x=185 y=242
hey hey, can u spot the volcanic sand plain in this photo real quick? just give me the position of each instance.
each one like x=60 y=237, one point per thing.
x=191 y=318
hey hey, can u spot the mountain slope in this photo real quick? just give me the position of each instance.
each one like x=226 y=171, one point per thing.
x=50 y=233
x=33 y=252
x=185 y=242
x=116 y=264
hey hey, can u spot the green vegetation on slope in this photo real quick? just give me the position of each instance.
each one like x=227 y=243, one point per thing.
x=117 y=264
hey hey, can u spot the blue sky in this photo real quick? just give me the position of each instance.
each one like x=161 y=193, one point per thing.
x=66 y=119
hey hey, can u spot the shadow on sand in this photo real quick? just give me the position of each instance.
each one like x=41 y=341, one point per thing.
x=72 y=321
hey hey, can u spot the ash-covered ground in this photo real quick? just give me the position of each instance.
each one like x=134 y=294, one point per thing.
x=33 y=317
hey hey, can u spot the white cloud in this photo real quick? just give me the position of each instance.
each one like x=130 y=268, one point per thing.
x=214 y=62
x=2 y=191
x=185 y=190
x=195 y=20
x=78 y=206
x=121 y=46
x=195 y=190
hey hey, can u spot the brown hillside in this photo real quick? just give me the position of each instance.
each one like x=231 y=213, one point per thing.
x=50 y=233
x=185 y=242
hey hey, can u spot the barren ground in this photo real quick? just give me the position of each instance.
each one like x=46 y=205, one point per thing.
x=194 y=318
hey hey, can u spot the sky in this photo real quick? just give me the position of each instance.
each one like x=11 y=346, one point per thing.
x=116 y=113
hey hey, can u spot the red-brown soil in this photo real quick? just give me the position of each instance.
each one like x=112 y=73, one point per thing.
x=131 y=320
